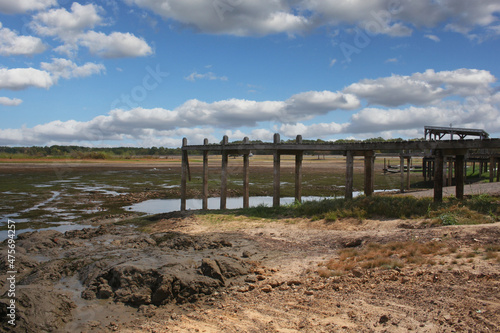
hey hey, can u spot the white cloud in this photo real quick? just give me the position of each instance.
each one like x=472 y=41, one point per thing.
x=67 y=69
x=22 y=6
x=312 y=103
x=241 y=18
x=463 y=97
x=209 y=76
x=13 y=44
x=73 y=28
x=433 y=38
x=10 y=101
x=67 y=25
x=263 y=17
x=22 y=78
x=422 y=88
x=115 y=45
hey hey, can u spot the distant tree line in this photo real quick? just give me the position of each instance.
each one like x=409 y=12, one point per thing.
x=79 y=152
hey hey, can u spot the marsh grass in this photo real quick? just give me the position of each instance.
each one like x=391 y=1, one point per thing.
x=395 y=255
x=472 y=210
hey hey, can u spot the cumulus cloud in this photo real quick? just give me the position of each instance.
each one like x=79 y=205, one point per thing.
x=22 y=78
x=59 y=22
x=241 y=18
x=422 y=88
x=13 y=44
x=263 y=17
x=473 y=103
x=73 y=28
x=22 y=6
x=115 y=45
x=10 y=101
x=68 y=69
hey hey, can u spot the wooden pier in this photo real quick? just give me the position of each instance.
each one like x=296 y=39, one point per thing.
x=456 y=150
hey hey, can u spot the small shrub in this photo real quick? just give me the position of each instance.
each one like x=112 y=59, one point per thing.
x=448 y=219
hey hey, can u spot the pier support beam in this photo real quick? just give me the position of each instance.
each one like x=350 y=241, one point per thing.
x=298 y=171
x=438 y=175
x=204 y=204
x=276 y=172
x=369 y=172
x=459 y=176
x=184 y=171
x=246 y=178
x=223 y=175
x=402 y=172
x=349 y=174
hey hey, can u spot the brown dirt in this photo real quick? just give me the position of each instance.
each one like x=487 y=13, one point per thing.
x=243 y=274
x=220 y=273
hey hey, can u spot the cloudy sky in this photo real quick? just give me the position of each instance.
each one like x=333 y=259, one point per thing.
x=149 y=72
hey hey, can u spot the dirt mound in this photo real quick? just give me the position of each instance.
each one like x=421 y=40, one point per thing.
x=117 y=264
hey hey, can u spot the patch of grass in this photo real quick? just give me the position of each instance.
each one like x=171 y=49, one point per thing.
x=386 y=256
x=396 y=255
x=473 y=210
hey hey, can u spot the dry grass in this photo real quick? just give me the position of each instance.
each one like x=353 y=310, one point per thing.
x=396 y=255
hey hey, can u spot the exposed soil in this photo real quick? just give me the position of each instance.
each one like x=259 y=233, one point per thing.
x=215 y=273
x=194 y=272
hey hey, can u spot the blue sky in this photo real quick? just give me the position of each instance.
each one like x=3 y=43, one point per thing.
x=149 y=72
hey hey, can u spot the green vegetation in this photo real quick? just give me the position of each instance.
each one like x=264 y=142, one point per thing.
x=472 y=210
x=77 y=152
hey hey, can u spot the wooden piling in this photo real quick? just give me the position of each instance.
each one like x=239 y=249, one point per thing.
x=369 y=172
x=349 y=174
x=402 y=172
x=276 y=172
x=438 y=176
x=298 y=171
x=408 y=174
x=223 y=180
x=459 y=176
x=204 y=204
x=184 y=171
x=246 y=177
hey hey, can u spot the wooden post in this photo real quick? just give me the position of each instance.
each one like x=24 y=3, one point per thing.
x=438 y=176
x=349 y=174
x=402 y=172
x=246 y=178
x=298 y=171
x=223 y=180
x=459 y=176
x=408 y=161
x=369 y=172
x=276 y=173
x=424 y=169
x=205 y=177
x=184 y=170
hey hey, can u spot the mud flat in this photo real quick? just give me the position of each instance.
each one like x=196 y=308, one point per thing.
x=230 y=273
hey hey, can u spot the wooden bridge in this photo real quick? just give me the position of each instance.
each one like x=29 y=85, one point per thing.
x=439 y=149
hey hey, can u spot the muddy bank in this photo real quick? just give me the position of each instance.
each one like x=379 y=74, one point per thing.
x=58 y=273
x=218 y=273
